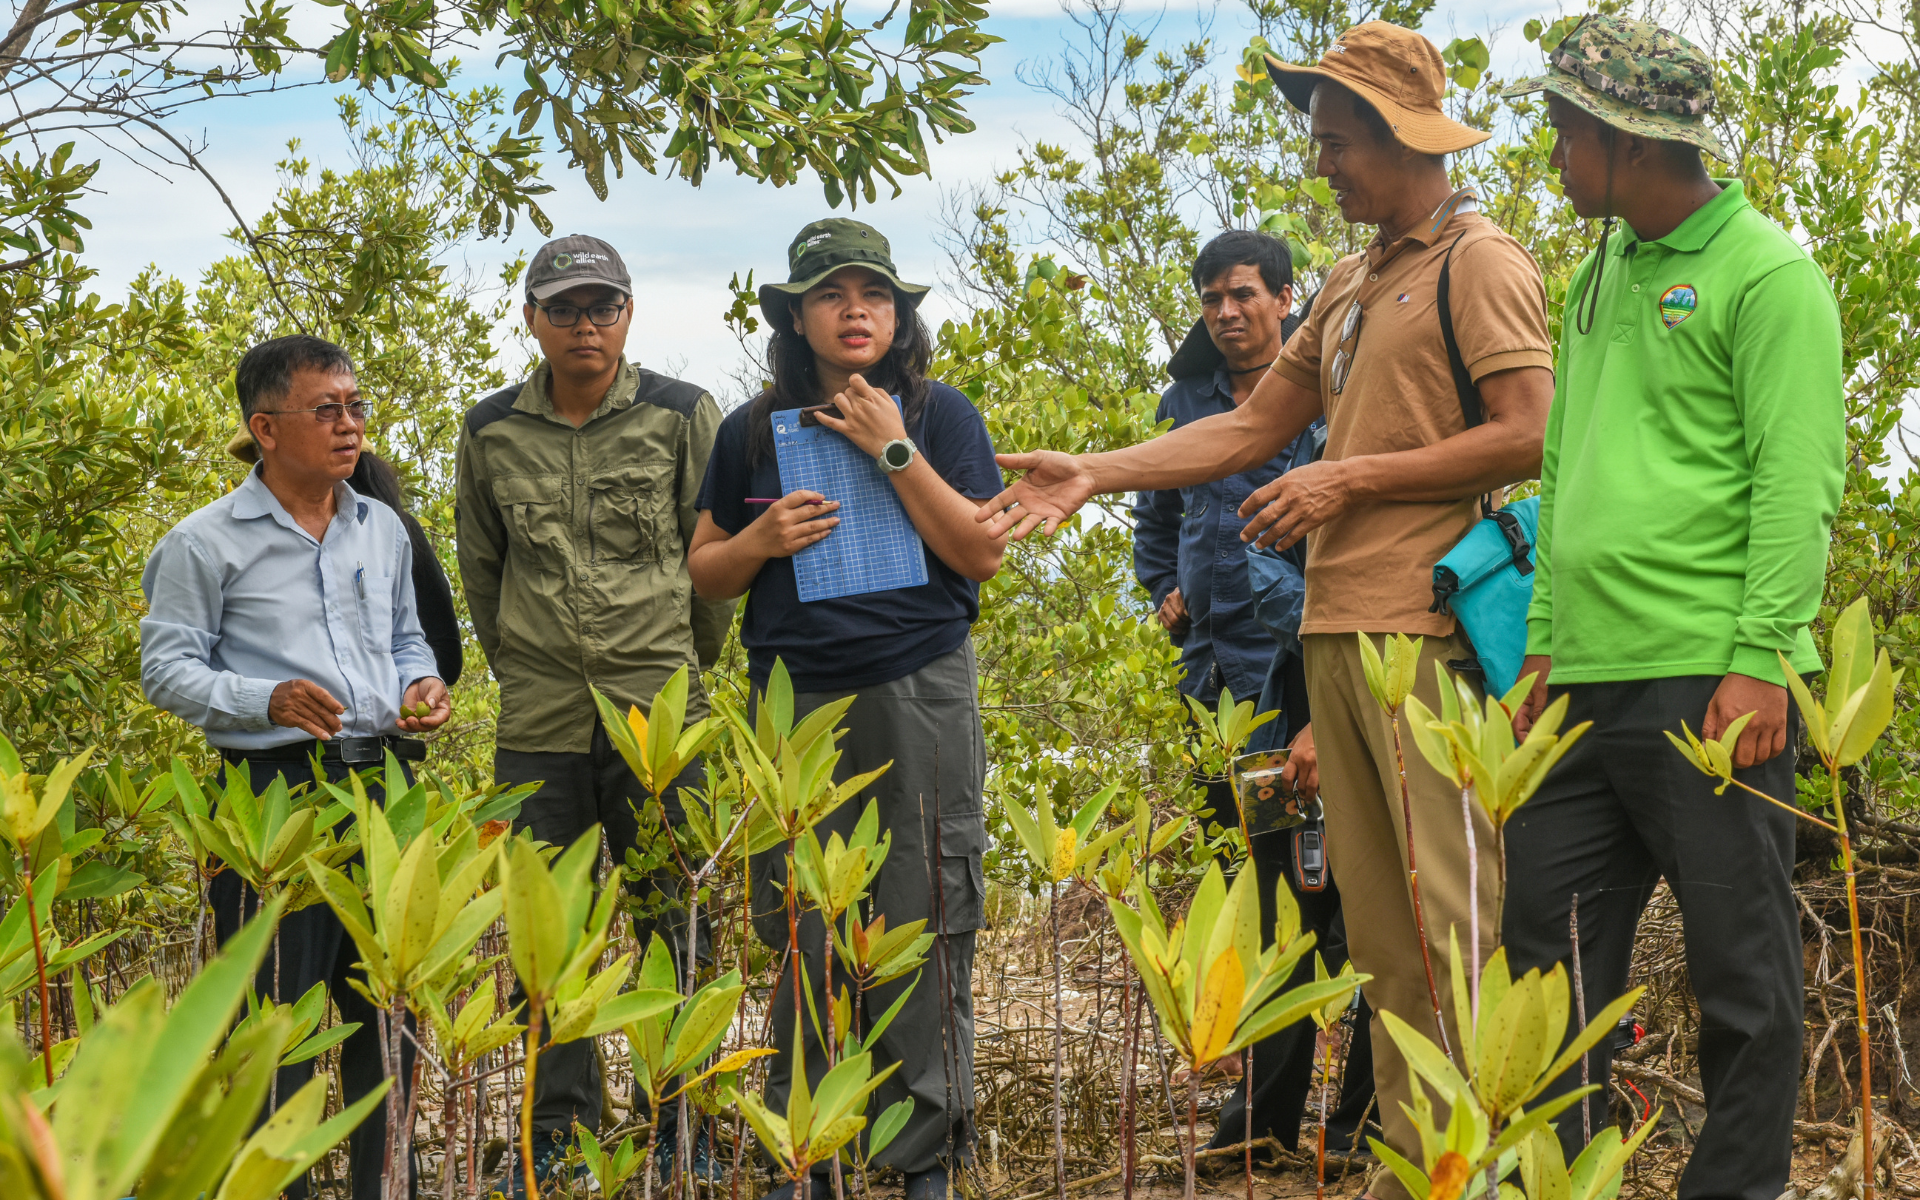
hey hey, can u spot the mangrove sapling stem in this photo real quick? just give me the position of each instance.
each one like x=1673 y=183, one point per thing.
x=40 y=966
x=1129 y=1084
x=1859 y=992
x=746 y=916
x=526 y=1096
x=1839 y=830
x=1473 y=909
x=1193 y=1127
x=1246 y=1081
x=1413 y=881
x=1320 y=1151
x=647 y=1160
x=1059 y=1112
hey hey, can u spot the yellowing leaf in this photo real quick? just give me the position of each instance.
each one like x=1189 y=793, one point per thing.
x=1217 y=1009
x=1063 y=847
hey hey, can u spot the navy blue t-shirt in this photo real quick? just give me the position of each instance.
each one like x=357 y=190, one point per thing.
x=854 y=641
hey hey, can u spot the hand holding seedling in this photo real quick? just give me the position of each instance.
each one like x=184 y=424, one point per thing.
x=425 y=706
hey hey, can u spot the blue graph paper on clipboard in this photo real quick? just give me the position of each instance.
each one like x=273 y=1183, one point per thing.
x=875 y=547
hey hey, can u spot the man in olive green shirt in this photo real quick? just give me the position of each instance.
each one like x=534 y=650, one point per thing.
x=576 y=491
x=1692 y=470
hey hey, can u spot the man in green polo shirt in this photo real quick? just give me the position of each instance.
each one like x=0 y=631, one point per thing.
x=1692 y=470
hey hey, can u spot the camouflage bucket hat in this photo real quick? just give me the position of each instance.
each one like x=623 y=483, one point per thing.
x=1634 y=76
x=823 y=248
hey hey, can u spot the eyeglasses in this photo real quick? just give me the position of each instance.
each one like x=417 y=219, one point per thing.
x=566 y=316
x=1349 y=346
x=330 y=414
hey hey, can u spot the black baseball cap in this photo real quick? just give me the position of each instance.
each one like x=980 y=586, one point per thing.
x=569 y=262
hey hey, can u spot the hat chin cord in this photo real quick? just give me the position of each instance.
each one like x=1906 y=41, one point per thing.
x=1583 y=322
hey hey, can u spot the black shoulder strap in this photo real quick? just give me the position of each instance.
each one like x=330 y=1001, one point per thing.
x=1471 y=409
x=1462 y=382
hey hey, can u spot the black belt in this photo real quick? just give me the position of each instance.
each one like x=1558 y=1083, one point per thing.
x=348 y=751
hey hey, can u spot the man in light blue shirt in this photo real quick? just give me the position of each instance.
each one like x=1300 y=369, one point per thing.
x=281 y=620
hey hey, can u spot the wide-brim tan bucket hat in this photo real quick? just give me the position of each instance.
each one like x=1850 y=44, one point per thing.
x=1394 y=69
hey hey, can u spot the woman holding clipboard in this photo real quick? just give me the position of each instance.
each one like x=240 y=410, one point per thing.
x=846 y=333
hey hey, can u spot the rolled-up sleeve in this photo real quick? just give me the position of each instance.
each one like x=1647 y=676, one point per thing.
x=177 y=637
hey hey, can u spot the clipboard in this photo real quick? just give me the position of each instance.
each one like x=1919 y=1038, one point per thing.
x=875 y=548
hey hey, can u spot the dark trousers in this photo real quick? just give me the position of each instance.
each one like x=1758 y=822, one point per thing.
x=1620 y=811
x=578 y=791
x=928 y=725
x=314 y=948
x=1283 y=1064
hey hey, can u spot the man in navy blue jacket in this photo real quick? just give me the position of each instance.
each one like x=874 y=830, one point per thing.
x=1240 y=634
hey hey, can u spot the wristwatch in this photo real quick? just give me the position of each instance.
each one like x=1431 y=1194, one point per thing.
x=897 y=455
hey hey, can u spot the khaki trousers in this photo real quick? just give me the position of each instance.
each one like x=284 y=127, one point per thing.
x=1367 y=850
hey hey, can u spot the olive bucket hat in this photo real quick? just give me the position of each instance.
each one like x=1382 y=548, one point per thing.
x=1635 y=76
x=823 y=248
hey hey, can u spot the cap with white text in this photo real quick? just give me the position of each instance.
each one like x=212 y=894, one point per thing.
x=572 y=262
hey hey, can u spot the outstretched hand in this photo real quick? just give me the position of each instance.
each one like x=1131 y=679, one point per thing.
x=1052 y=489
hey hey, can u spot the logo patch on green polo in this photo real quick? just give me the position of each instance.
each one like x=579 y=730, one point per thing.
x=1678 y=304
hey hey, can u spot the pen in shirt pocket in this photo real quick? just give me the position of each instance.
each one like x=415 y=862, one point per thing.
x=360 y=580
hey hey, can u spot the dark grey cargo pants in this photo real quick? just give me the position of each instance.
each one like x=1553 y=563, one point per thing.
x=928 y=726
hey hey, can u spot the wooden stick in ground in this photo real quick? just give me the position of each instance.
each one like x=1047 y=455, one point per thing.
x=1059 y=1112
x=1580 y=1014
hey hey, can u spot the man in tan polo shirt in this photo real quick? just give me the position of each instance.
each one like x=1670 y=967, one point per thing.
x=1396 y=490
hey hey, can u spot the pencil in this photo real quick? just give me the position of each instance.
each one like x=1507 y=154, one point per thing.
x=775 y=500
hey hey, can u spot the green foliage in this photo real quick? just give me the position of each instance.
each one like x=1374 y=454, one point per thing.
x=1475 y=1127
x=154 y=1097
x=1214 y=987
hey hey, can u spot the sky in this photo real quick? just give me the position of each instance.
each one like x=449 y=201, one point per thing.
x=681 y=244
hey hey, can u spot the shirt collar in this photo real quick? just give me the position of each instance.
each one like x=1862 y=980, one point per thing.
x=536 y=396
x=253 y=499
x=1698 y=229
x=1451 y=210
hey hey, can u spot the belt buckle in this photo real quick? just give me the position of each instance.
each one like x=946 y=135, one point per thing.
x=360 y=750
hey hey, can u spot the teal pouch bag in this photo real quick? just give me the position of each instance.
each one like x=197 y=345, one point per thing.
x=1486 y=583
